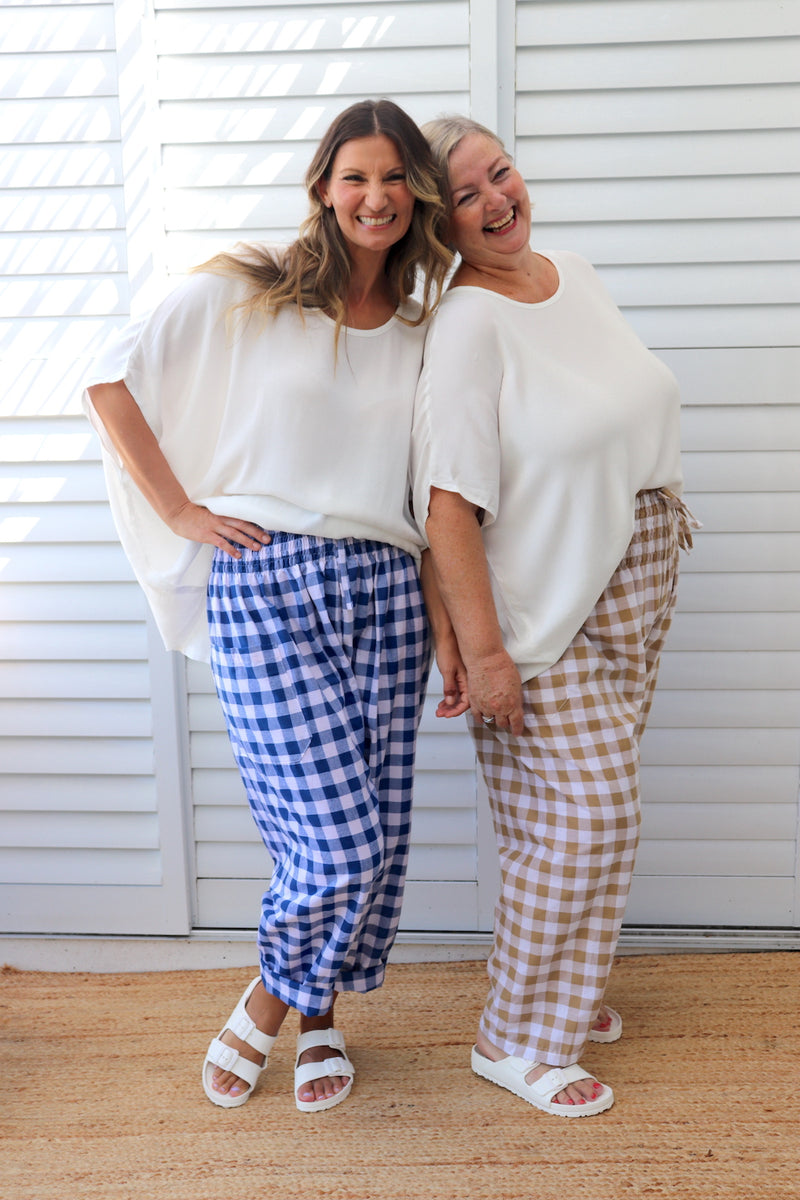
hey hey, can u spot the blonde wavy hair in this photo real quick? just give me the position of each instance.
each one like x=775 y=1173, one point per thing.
x=314 y=271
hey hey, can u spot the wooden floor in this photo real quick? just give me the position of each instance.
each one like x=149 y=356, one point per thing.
x=102 y=1093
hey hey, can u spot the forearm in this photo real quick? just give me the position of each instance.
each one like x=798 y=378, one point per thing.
x=462 y=575
x=462 y=572
x=138 y=448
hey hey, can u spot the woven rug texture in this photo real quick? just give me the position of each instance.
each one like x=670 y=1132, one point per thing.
x=102 y=1097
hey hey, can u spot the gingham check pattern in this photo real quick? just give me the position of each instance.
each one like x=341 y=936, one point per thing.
x=565 y=803
x=320 y=655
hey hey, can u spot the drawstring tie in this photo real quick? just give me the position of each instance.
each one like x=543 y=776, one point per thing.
x=685 y=520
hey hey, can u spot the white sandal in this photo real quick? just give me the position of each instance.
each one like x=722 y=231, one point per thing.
x=614 y=1031
x=225 y=1058
x=510 y=1073
x=333 y=1066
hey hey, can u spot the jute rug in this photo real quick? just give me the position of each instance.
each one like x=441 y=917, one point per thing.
x=101 y=1094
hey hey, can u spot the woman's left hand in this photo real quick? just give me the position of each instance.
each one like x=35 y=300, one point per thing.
x=454 y=679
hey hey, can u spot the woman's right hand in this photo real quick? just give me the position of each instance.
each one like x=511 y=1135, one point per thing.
x=198 y=524
x=495 y=691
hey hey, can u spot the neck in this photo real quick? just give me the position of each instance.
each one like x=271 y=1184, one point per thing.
x=526 y=276
x=369 y=299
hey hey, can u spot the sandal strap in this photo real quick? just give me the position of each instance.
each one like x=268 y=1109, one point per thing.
x=557 y=1080
x=321 y=1070
x=321 y=1037
x=245 y=1029
x=228 y=1059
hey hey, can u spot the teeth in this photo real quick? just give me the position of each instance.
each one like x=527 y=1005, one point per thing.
x=501 y=224
x=375 y=222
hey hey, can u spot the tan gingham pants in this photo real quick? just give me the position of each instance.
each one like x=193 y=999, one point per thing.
x=565 y=803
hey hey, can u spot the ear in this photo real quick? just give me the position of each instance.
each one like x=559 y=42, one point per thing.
x=322 y=192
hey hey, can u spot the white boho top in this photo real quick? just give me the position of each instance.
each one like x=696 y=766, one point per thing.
x=259 y=419
x=550 y=417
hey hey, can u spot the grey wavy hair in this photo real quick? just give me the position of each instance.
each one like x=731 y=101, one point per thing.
x=443 y=134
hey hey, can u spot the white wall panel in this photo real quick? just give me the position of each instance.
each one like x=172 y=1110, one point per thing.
x=660 y=139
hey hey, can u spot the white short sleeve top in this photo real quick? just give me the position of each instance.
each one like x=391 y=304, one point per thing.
x=550 y=417
x=262 y=419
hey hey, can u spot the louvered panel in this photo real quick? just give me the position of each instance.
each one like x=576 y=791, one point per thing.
x=700 y=901
x=718 y=784
x=657 y=63
x=89 y=680
x=28 y=562
x=734 y=631
x=773 y=427
x=618 y=21
x=68 y=718
x=635 y=156
x=755 y=471
x=716 y=857
x=720 y=747
x=55 y=522
x=79 y=794
x=54 y=642
x=75 y=867
x=65 y=338
x=60 y=166
x=76 y=756
x=705 y=821
x=59 y=75
x=67 y=27
x=729 y=669
x=776 y=106
x=71 y=120
x=54 y=296
x=726 y=709
x=35 y=482
x=341 y=71
x=236 y=121
x=311 y=27
x=729 y=592
x=661 y=141
x=687 y=240
x=62 y=208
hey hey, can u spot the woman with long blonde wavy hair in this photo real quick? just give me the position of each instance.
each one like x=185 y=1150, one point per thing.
x=256 y=431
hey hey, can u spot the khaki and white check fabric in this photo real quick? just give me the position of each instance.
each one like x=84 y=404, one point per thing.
x=565 y=803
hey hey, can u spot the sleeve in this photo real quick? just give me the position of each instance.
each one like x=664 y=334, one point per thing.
x=455 y=439
x=157 y=358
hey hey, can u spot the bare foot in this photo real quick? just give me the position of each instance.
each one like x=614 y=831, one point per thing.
x=328 y=1085
x=575 y=1093
x=603 y=1022
x=268 y=1013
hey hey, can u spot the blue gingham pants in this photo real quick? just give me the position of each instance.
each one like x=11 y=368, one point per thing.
x=320 y=653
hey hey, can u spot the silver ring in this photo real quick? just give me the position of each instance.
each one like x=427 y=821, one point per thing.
x=488 y=720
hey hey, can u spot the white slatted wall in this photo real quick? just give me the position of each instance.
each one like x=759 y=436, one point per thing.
x=80 y=833
x=660 y=138
x=245 y=94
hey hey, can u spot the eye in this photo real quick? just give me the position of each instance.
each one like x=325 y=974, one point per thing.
x=465 y=199
x=501 y=174
x=396 y=177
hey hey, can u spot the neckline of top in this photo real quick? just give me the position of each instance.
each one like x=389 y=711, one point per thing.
x=472 y=287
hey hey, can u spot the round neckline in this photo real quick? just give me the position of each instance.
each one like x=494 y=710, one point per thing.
x=352 y=328
x=472 y=287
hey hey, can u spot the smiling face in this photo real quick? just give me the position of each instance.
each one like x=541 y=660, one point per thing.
x=491 y=209
x=368 y=192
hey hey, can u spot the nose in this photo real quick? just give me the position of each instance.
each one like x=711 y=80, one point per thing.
x=376 y=195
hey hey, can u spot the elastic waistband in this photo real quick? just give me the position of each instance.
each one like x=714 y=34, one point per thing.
x=289 y=549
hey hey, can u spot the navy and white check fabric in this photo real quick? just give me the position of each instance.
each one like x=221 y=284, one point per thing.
x=320 y=653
